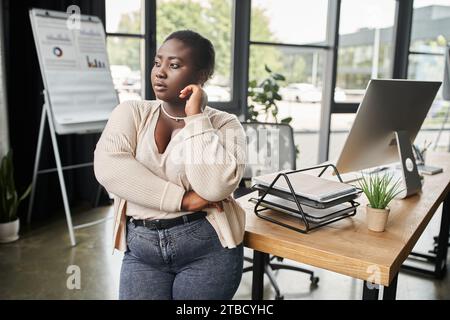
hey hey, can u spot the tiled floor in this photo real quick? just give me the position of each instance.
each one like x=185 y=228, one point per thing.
x=36 y=267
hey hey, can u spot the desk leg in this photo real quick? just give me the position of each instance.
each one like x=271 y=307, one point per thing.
x=370 y=291
x=440 y=259
x=258 y=275
x=390 y=293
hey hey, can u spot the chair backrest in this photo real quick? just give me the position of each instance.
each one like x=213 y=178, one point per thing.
x=270 y=148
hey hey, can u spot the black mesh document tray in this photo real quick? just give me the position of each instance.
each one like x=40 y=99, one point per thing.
x=309 y=214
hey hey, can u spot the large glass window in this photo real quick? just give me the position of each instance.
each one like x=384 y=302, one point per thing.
x=429 y=35
x=431 y=26
x=365 y=44
x=287 y=21
x=126 y=66
x=213 y=20
x=301 y=92
x=340 y=126
x=430 y=32
x=289 y=38
x=125 y=26
x=364 y=53
x=125 y=44
x=124 y=16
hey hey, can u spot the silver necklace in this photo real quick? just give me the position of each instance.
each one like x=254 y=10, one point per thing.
x=171 y=117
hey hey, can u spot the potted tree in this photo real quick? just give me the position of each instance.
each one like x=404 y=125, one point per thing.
x=9 y=201
x=379 y=189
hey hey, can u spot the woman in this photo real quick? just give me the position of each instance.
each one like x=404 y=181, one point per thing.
x=172 y=165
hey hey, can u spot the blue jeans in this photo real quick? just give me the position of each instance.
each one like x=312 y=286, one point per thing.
x=183 y=262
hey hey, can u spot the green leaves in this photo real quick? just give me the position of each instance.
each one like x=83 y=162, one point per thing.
x=9 y=200
x=379 y=189
x=278 y=77
x=264 y=97
x=286 y=120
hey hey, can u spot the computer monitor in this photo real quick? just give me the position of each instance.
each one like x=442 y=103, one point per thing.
x=386 y=124
x=446 y=84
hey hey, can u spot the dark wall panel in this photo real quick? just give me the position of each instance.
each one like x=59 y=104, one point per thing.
x=24 y=87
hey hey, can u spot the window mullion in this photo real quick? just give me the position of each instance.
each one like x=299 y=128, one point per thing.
x=329 y=79
x=402 y=38
x=150 y=47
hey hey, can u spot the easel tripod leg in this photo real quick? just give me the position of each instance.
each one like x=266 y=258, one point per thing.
x=61 y=179
x=36 y=164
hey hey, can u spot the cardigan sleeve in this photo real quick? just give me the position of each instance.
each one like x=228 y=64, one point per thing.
x=214 y=158
x=117 y=169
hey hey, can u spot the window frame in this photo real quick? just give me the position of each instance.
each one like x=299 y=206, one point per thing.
x=141 y=37
x=241 y=15
x=329 y=76
x=239 y=64
x=399 y=67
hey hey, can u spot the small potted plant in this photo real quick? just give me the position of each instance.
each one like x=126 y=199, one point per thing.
x=379 y=189
x=9 y=201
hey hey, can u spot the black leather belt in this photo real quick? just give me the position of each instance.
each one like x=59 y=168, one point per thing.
x=169 y=223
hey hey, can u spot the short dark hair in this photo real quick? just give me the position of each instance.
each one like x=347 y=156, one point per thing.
x=202 y=47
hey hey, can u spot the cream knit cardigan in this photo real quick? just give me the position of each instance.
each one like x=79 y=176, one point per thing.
x=214 y=139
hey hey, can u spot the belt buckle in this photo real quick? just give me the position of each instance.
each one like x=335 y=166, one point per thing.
x=157 y=223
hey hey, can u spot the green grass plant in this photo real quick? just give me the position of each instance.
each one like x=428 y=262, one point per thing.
x=379 y=189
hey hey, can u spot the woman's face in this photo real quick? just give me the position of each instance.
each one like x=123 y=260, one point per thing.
x=173 y=70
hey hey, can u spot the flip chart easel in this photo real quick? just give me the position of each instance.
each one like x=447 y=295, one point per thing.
x=79 y=94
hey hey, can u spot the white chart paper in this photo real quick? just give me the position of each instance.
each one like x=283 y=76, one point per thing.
x=74 y=65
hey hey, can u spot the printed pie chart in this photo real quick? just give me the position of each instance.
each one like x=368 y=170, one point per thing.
x=57 y=52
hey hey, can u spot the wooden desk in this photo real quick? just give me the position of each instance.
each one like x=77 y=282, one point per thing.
x=348 y=247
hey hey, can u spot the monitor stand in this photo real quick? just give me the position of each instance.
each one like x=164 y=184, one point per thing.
x=411 y=178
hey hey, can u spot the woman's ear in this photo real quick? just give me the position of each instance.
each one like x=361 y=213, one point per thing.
x=202 y=77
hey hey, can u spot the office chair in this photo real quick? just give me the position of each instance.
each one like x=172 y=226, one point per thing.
x=265 y=157
x=435 y=244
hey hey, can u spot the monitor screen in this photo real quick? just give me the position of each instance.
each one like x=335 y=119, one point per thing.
x=446 y=83
x=388 y=106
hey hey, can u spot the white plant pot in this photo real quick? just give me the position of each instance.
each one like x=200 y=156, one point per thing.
x=9 y=231
x=377 y=218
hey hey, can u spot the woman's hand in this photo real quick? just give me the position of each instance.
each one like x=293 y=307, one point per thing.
x=193 y=202
x=196 y=99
